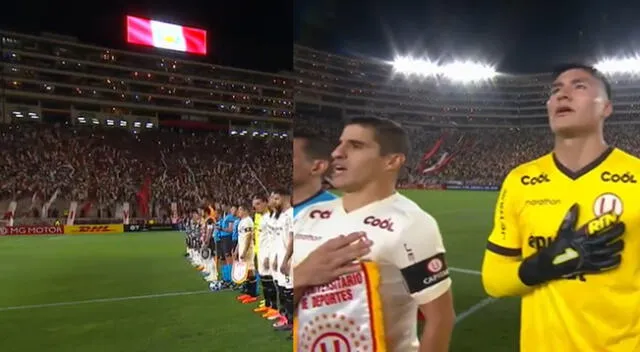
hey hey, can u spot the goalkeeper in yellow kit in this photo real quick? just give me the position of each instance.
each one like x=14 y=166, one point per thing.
x=566 y=235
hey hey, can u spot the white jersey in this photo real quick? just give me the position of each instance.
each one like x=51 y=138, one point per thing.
x=265 y=238
x=245 y=234
x=283 y=227
x=407 y=246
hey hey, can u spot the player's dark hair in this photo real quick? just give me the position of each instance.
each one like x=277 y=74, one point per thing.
x=589 y=69
x=390 y=135
x=315 y=146
x=282 y=191
x=261 y=197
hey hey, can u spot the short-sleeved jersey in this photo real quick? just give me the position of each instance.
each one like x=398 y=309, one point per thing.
x=227 y=221
x=321 y=196
x=407 y=246
x=283 y=227
x=245 y=232
x=235 y=234
x=265 y=233
x=589 y=312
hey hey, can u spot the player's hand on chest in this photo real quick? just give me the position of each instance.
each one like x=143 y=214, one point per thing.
x=543 y=205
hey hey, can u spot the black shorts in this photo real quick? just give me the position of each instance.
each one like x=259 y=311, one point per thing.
x=235 y=244
x=226 y=246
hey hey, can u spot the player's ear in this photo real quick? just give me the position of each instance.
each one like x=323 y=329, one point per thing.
x=320 y=167
x=607 y=109
x=395 y=161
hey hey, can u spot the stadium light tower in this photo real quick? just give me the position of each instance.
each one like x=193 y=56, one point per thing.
x=619 y=65
x=462 y=71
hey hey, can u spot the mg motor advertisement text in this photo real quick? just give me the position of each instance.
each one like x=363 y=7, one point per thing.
x=28 y=230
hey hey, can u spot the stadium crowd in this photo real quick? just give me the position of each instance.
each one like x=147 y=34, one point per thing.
x=481 y=156
x=105 y=166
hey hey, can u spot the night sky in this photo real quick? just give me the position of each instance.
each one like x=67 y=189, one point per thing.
x=242 y=33
x=516 y=35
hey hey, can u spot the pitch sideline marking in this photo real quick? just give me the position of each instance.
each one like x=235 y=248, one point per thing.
x=104 y=300
x=476 y=307
x=160 y=295
x=473 y=309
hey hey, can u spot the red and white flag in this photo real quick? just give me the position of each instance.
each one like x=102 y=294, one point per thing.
x=162 y=35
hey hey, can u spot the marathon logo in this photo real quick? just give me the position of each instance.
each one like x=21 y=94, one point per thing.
x=627 y=177
x=542 y=202
x=31 y=230
x=535 y=180
x=385 y=224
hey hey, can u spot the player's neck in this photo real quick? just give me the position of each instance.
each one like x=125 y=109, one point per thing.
x=371 y=193
x=303 y=192
x=577 y=153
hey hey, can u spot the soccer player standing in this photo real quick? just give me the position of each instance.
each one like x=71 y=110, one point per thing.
x=245 y=254
x=226 y=241
x=311 y=161
x=559 y=220
x=405 y=243
x=259 y=204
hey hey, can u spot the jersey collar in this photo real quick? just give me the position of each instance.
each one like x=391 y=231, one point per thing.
x=574 y=175
x=308 y=199
x=369 y=206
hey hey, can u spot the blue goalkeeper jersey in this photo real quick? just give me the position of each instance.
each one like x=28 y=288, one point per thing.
x=321 y=196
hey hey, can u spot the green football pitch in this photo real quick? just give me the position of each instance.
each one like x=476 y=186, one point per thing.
x=136 y=292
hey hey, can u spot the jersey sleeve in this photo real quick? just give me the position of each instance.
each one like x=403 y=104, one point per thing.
x=420 y=256
x=505 y=238
x=265 y=235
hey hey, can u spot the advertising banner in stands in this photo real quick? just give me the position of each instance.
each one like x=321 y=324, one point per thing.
x=93 y=229
x=151 y=227
x=473 y=188
x=31 y=230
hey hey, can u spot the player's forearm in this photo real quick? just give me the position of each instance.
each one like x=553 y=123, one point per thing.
x=300 y=285
x=500 y=276
x=289 y=251
x=436 y=334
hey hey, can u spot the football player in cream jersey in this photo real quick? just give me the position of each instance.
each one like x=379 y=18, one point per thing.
x=282 y=229
x=265 y=260
x=244 y=253
x=406 y=243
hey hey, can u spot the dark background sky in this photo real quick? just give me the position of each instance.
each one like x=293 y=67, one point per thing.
x=249 y=34
x=517 y=35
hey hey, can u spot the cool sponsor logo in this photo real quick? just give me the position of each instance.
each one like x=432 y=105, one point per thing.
x=535 y=180
x=385 y=224
x=609 y=176
x=320 y=214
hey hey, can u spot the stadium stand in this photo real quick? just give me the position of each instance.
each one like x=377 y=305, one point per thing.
x=461 y=133
x=94 y=125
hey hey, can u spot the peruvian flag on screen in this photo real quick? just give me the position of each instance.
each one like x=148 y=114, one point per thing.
x=166 y=36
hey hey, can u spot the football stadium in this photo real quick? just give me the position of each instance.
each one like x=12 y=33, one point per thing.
x=110 y=159
x=469 y=126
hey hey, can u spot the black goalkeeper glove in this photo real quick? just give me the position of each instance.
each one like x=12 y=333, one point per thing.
x=595 y=247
